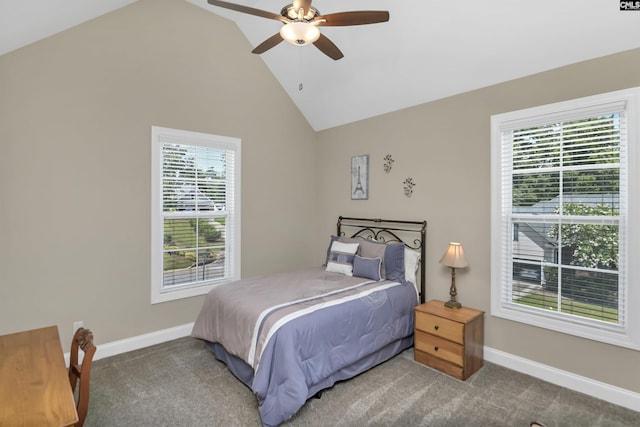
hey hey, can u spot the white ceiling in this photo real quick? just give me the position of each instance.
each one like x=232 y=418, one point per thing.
x=428 y=50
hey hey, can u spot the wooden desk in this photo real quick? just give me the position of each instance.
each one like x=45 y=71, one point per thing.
x=34 y=383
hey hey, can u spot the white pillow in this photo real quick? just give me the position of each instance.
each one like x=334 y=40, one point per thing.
x=341 y=257
x=411 y=264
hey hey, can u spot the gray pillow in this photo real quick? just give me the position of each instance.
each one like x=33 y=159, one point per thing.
x=369 y=268
x=394 y=262
x=372 y=249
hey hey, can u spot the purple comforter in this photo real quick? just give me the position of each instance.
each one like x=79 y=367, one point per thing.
x=300 y=332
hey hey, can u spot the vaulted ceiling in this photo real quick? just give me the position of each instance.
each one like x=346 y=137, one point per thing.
x=429 y=49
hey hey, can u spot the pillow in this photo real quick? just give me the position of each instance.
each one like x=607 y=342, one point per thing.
x=342 y=239
x=373 y=249
x=369 y=268
x=341 y=258
x=394 y=262
x=411 y=264
x=331 y=240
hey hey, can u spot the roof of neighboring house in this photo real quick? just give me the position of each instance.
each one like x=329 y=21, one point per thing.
x=190 y=196
x=551 y=206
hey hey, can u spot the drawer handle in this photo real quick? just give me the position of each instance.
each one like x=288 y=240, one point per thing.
x=435 y=348
x=436 y=327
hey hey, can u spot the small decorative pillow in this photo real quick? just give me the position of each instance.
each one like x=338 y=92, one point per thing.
x=373 y=249
x=369 y=268
x=341 y=258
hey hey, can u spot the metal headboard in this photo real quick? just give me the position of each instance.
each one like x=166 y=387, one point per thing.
x=387 y=230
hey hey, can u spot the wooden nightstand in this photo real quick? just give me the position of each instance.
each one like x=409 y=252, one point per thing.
x=449 y=339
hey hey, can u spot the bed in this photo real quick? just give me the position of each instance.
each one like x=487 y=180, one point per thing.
x=290 y=335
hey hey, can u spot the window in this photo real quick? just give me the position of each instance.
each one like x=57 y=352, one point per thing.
x=195 y=236
x=561 y=180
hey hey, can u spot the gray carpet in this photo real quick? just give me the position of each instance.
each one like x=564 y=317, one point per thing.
x=180 y=383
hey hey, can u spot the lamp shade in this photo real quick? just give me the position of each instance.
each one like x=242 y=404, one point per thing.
x=299 y=33
x=454 y=256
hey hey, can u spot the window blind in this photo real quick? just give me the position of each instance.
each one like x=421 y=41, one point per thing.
x=197 y=212
x=564 y=211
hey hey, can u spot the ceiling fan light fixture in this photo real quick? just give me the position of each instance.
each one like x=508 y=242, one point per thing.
x=299 y=33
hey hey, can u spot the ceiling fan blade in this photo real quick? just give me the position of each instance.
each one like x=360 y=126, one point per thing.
x=353 y=18
x=247 y=9
x=327 y=47
x=268 y=44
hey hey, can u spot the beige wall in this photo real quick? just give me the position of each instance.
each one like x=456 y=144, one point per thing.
x=445 y=147
x=76 y=111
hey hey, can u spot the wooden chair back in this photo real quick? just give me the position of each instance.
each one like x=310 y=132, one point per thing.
x=83 y=340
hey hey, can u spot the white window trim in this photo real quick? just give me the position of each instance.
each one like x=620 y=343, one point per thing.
x=627 y=336
x=158 y=293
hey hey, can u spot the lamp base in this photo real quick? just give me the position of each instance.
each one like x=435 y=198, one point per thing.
x=452 y=304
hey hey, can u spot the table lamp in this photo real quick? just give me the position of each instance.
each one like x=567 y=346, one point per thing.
x=454 y=258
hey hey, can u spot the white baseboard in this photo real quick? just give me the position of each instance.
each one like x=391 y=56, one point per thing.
x=137 y=342
x=600 y=390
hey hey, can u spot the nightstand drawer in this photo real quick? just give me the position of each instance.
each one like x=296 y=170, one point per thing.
x=446 y=367
x=440 y=348
x=453 y=331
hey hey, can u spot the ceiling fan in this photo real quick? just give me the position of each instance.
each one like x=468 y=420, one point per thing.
x=301 y=22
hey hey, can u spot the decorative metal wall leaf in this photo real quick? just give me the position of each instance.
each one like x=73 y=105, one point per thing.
x=408 y=186
x=388 y=161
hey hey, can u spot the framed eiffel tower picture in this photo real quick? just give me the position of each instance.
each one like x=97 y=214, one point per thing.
x=360 y=177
